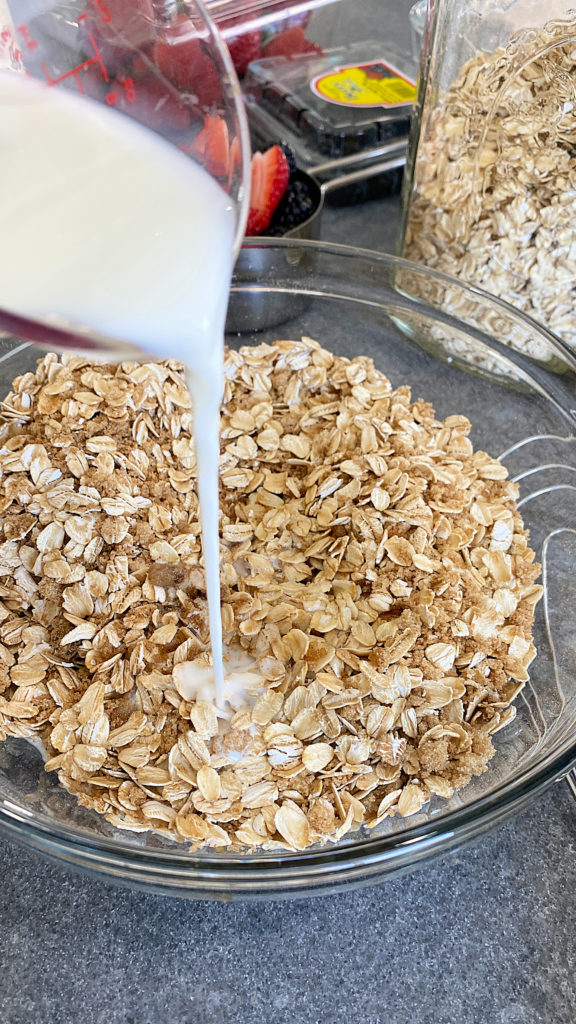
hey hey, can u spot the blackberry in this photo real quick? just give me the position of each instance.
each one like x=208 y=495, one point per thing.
x=293 y=209
x=289 y=154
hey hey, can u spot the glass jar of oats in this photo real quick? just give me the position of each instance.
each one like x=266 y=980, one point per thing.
x=490 y=192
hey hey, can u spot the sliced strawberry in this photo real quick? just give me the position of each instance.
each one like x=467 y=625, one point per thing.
x=118 y=29
x=234 y=160
x=270 y=174
x=198 y=147
x=216 y=146
x=180 y=56
x=211 y=146
x=154 y=104
x=291 y=42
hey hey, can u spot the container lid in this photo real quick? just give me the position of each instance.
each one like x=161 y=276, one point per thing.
x=340 y=107
x=259 y=13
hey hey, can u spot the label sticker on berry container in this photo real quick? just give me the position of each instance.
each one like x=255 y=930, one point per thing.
x=375 y=84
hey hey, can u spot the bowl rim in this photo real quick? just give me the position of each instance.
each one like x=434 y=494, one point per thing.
x=390 y=259
x=360 y=858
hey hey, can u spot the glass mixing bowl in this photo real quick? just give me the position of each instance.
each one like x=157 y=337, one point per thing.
x=446 y=341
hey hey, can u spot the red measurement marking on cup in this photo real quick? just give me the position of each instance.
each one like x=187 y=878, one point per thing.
x=8 y=44
x=102 y=9
x=129 y=89
x=30 y=44
x=75 y=72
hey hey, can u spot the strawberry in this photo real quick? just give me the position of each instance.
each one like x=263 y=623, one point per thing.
x=234 y=160
x=153 y=103
x=244 y=49
x=216 y=148
x=118 y=28
x=207 y=87
x=291 y=42
x=178 y=51
x=244 y=46
x=270 y=174
x=180 y=56
x=198 y=147
x=211 y=146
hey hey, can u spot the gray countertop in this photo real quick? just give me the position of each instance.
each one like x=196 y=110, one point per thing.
x=485 y=936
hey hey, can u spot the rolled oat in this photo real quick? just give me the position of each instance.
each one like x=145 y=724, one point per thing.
x=374 y=566
x=494 y=189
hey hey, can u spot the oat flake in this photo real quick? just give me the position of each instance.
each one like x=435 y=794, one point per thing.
x=389 y=649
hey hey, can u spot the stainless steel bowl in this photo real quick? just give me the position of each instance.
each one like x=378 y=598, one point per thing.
x=391 y=158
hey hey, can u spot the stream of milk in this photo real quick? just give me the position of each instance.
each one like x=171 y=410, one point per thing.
x=106 y=225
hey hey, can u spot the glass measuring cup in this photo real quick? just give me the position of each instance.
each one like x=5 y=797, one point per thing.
x=163 y=66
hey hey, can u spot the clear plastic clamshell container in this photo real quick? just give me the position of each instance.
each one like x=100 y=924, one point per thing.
x=335 y=81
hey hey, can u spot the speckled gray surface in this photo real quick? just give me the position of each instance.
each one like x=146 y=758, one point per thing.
x=486 y=936
x=483 y=937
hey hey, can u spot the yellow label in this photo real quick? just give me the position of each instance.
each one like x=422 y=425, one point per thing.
x=376 y=84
